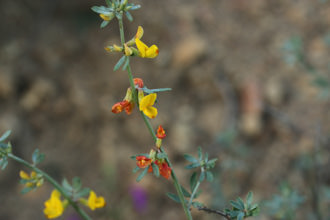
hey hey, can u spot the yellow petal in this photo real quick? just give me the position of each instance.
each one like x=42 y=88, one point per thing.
x=55 y=194
x=139 y=33
x=105 y=17
x=150 y=111
x=24 y=175
x=152 y=51
x=148 y=100
x=141 y=47
x=128 y=51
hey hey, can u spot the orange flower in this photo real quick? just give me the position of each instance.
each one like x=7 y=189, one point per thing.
x=119 y=106
x=127 y=104
x=138 y=82
x=164 y=169
x=143 y=161
x=160 y=132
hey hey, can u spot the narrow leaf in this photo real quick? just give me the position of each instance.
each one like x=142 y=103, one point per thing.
x=119 y=63
x=249 y=199
x=190 y=158
x=209 y=176
x=142 y=174
x=185 y=192
x=193 y=181
x=236 y=205
x=66 y=185
x=191 y=166
x=76 y=183
x=155 y=169
x=174 y=197
x=126 y=64
x=129 y=16
x=104 y=24
x=5 y=135
x=26 y=190
x=136 y=169
x=240 y=216
x=200 y=154
x=3 y=163
x=161 y=155
x=82 y=193
x=241 y=203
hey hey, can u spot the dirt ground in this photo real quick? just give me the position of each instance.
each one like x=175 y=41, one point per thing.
x=233 y=93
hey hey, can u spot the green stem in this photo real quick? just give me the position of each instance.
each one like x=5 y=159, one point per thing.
x=146 y=121
x=54 y=183
x=196 y=188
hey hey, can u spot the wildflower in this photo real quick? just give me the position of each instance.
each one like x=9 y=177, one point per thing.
x=127 y=104
x=106 y=17
x=54 y=207
x=95 y=202
x=138 y=82
x=145 y=51
x=139 y=33
x=163 y=167
x=143 y=161
x=33 y=180
x=146 y=105
x=160 y=132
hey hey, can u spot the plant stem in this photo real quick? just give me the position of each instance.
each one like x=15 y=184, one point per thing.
x=146 y=121
x=195 y=188
x=54 y=183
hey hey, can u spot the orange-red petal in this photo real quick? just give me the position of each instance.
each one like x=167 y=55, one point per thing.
x=143 y=161
x=138 y=82
x=161 y=132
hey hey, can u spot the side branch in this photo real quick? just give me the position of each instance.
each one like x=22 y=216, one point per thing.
x=208 y=210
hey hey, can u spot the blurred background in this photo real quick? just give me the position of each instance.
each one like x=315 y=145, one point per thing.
x=250 y=84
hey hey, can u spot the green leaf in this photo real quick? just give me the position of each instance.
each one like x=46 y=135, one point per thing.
x=136 y=169
x=108 y=3
x=129 y=16
x=193 y=181
x=240 y=216
x=190 y=158
x=26 y=190
x=192 y=166
x=146 y=90
x=82 y=193
x=200 y=154
x=119 y=63
x=236 y=205
x=185 y=192
x=174 y=197
x=209 y=176
x=5 y=135
x=3 y=163
x=102 y=10
x=135 y=7
x=126 y=64
x=161 y=155
x=104 y=24
x=66 y=185
x=76 y=183
x=142 y=174
x=211 y=163
x=241 y=203
x=37 y=157
x=249 y=199
x=155 y=169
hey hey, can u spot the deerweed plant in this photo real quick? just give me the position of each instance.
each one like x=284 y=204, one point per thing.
x=155 y=162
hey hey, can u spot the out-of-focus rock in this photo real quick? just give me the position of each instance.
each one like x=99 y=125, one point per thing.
x=188 y=50
x=40 y=90
x=251 y=108
x=6 y=84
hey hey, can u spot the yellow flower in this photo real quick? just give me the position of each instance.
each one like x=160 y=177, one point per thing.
x=54 y=206
x=145 y=51
x=139 y=32
x=32 y=180
x=94 y=201
x=146 y=103
x=105 y=17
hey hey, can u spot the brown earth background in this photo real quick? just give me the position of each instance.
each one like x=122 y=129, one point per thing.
x=232 y=93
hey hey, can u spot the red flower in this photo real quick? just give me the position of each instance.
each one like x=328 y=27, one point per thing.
x=119 y=106
x=138 y=82
x=164 y=169
x=160 y=132
x=143 y=161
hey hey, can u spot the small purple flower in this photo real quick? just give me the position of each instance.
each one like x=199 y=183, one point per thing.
x=139 y=197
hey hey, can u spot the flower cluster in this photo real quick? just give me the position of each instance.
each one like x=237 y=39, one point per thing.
x=54 y=206
x=156 y=158
x=31 y=181
x=145 y=102
x=141 y=49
